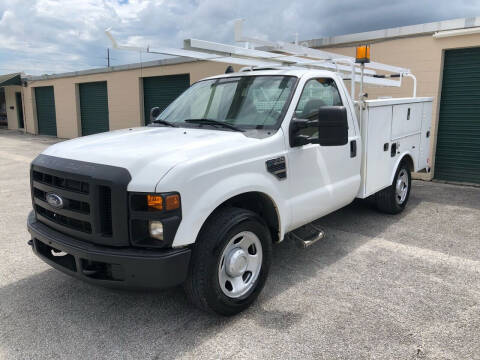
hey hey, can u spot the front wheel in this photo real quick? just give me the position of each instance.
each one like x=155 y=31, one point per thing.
x=393 y=199
x=230 y=262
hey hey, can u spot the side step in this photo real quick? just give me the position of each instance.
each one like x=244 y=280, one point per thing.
x=307 y=235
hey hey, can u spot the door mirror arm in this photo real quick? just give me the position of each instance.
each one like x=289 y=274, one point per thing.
x=297 y=139
x=304 y=123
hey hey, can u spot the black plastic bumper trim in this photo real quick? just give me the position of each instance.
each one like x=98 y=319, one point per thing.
x=131 y=267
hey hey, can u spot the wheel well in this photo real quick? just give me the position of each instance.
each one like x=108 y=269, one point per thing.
x=407 y=159
x=259 y=203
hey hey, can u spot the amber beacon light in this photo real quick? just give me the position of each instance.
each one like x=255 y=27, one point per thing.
x=362 y=54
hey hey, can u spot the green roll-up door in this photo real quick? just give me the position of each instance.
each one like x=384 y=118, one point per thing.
x=94 y=107
x=45 y=104
x=458 y=152
x=162 y=90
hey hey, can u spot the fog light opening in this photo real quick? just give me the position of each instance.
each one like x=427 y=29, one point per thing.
x=156 y=230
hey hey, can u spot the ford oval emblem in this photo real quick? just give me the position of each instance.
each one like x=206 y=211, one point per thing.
x=54 y=200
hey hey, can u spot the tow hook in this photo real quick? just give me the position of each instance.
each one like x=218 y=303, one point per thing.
x=30 y=242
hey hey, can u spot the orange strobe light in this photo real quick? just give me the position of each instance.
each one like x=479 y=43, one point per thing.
x=362 y=54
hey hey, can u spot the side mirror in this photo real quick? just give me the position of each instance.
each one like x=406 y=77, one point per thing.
x=297 y=139
x=332 y=126
x=154 y=112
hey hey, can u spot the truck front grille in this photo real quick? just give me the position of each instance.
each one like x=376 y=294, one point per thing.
x=82 y=204
x=61 y=182
x=71 y=204
x=72 y=223
x=84 y=200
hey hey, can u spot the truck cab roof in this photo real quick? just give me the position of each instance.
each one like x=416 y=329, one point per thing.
x=282 y=71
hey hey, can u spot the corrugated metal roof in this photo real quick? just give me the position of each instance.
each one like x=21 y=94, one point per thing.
x=10 y=79
x=147 y=64
x=392 y=33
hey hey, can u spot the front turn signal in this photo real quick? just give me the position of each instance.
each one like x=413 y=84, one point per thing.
x=155 y=202
x=172 y=202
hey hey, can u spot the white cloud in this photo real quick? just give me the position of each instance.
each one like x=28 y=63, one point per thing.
x=47 y=36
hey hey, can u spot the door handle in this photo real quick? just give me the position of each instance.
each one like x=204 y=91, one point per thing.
x=353 y=148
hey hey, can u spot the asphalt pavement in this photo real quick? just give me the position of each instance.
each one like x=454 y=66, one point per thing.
x=378 y=287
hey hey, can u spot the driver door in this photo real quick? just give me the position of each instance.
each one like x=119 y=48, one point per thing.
x=322 y=178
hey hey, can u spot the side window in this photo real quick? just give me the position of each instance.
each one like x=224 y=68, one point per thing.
x=316 y=93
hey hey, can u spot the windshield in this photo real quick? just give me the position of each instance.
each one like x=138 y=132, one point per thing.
x=247 y=102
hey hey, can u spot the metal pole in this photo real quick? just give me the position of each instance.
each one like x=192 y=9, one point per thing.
x=352 y=83
x=414 y=83
x=362 y=67
x=108 y=57
x=361 y=98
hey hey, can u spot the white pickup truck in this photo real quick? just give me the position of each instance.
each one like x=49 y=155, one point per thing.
x=235 y=164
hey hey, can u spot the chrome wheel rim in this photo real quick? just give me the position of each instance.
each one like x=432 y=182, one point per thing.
x=401 y=187
x=240 y=264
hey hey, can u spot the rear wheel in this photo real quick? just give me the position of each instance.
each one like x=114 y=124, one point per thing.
x=230 y=262
x=393 y=199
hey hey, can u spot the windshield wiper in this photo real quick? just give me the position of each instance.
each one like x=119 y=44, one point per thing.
x=163 y=122
x=214 y=122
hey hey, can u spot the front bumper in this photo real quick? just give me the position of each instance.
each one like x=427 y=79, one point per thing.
x=118 y=267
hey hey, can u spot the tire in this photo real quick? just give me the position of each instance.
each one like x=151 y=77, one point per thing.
x=393 y=200
x=214 y=262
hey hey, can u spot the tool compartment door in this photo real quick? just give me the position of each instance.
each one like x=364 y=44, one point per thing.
x=406 y=120
x=377 y=160
x=425 y=136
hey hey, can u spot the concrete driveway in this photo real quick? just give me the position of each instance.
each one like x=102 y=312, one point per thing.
x=385 y=287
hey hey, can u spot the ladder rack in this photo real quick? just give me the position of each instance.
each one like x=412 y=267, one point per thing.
x=259 y=53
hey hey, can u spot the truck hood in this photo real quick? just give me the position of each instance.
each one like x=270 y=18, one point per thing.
x=156 y=149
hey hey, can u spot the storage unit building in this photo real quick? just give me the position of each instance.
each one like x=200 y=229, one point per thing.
x=12 y=104
x=92 y=101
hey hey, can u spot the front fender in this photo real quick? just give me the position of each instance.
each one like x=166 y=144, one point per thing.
x=198 y=205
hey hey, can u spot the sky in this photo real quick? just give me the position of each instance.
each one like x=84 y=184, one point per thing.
x=53 y=36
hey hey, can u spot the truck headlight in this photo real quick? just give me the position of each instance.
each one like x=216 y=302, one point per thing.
x=154 y=218
x=156 y=229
